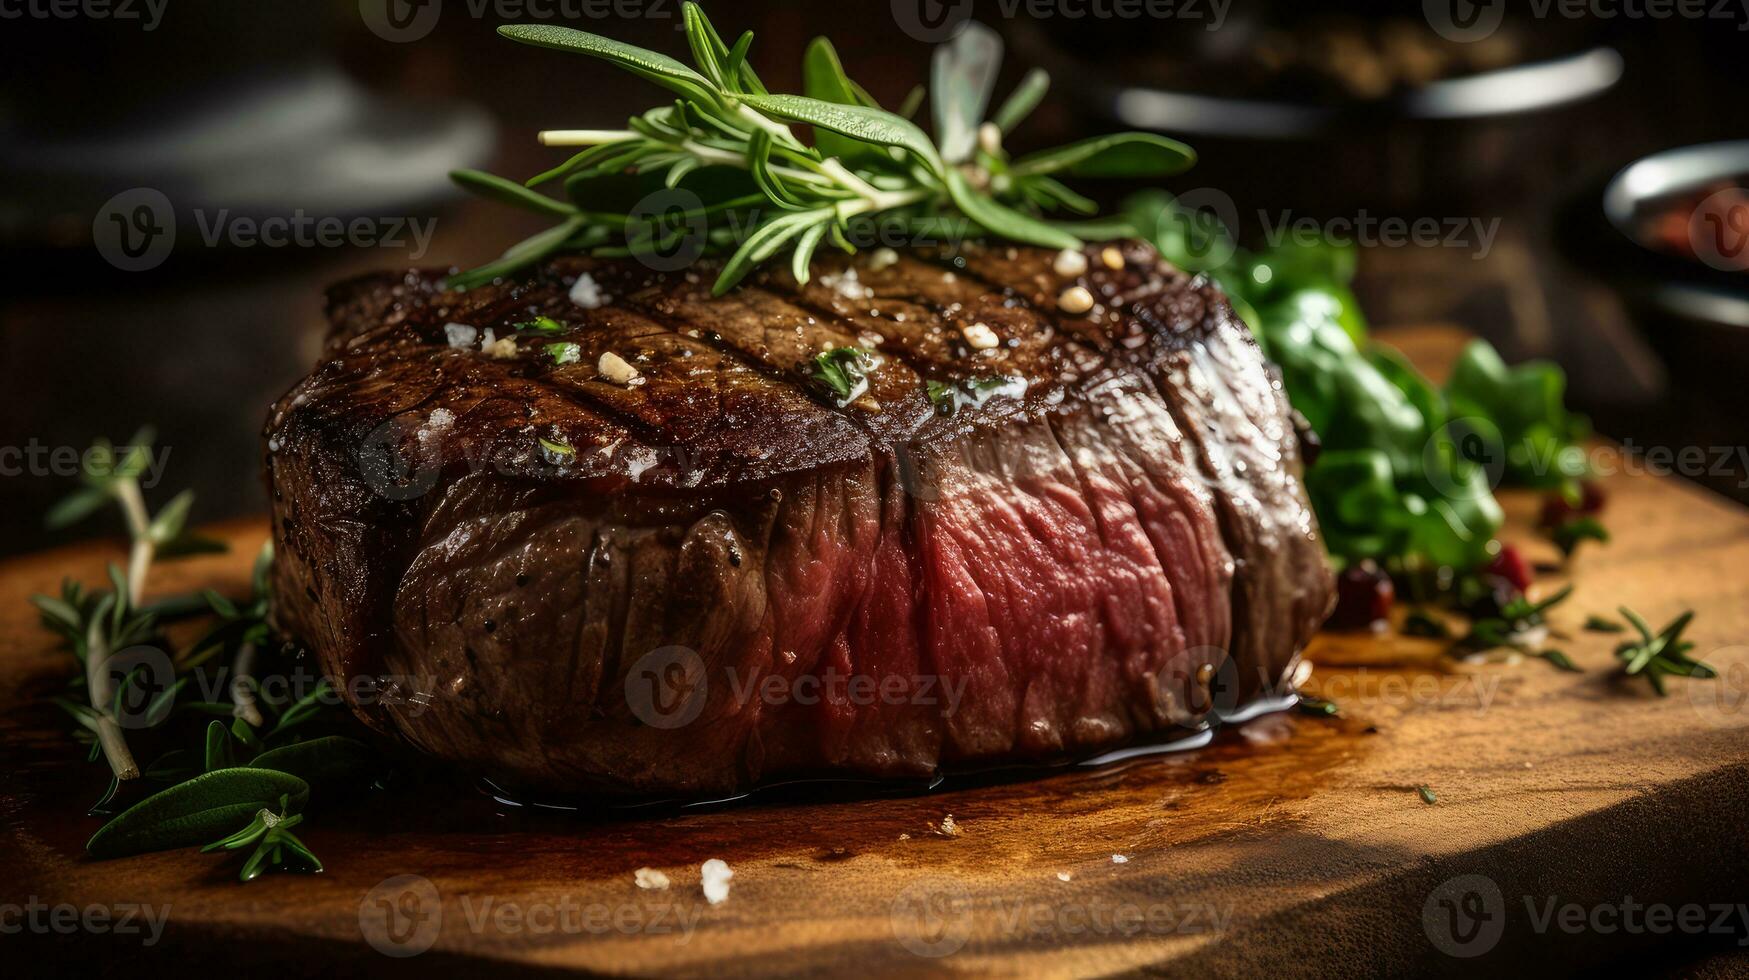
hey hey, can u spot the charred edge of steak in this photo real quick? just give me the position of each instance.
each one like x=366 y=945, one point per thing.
x=725 y=504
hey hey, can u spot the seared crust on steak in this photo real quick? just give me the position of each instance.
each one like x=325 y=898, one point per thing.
x=576 y=582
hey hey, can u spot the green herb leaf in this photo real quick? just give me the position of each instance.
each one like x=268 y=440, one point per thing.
x=194 y=812
x=1598 y=624
x=541 y=324
x=1560 y=660
x=1427 y=796
x=1114 y=155
x=962 y=77
x=1568 y=535
x=75 y=507
x=823 y=78
x=220 y=751
x=1025 y=98
x=857 y=122
x=658 y=68
x=1004 y=220
x=510 y=192
x=843 y=371
x=320 y=761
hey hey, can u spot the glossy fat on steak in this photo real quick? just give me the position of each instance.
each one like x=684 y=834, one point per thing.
x=711 y=575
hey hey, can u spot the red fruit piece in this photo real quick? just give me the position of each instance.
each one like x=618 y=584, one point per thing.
x=1510 y=565
x=1558 y=510
x=1364 y=595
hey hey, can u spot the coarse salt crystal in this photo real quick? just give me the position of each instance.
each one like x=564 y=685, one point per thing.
x=460 y=334
x=1119 y=859
x=502 y=348
x=616 y=369
x=714 y=875
x=1075 y=300
x=980 y=336
x=586 y=292
x=1069 y=262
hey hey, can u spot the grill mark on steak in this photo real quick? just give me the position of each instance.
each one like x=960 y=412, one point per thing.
x=1072 y=557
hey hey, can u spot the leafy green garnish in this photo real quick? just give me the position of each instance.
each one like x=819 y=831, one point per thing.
x=1319 y=707
x=194 y=812
x=1568 y=534
x=555 y=450
x=1598 y=624
x=541 y=324
x=843 y=371
x=565 y=352
x=950 y=397
x=720 y=171
x=1427 y=796
x=1406 y=470
x=1512 y=628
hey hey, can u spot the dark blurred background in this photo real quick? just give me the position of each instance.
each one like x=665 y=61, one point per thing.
x=122 y=119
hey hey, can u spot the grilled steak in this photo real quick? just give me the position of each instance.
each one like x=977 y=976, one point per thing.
x=712 y=574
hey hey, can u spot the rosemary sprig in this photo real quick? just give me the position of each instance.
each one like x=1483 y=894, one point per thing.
x=257 y=754
x=97 y=625
x=1519 y=622
x=1657 y=655
x=721 y=171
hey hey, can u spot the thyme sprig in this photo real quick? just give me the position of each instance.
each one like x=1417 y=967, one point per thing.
x=722 y=171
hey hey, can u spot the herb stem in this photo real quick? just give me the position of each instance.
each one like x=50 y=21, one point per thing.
x=778 y=130
x=100 y=685
x=584 y=137
x=243 y=686
x=133 y=506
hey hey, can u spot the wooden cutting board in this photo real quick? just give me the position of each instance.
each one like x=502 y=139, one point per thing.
x=1290 y=845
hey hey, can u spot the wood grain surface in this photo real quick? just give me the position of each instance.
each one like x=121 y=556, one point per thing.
x=1291 y=845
